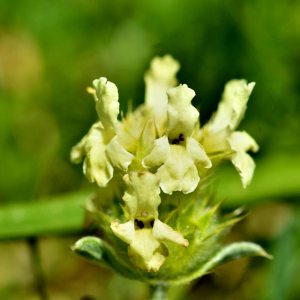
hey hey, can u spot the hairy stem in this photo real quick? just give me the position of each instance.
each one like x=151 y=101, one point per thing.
x=158 y=292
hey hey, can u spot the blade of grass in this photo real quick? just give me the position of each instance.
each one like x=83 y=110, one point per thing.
x=54 y=216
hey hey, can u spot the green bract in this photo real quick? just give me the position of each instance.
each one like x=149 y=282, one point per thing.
x=152 y=169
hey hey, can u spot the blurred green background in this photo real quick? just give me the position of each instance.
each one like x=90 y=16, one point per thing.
x=50 y=51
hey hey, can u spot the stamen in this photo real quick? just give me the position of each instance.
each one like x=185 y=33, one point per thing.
x=175 y=142
x=181 y=138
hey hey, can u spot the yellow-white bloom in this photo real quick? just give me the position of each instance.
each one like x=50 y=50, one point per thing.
x=177 y=151
x=111 y=144
x=219 y=135
x=241 y=142
x=158 y=79
x=105 y=146
x=144 y=232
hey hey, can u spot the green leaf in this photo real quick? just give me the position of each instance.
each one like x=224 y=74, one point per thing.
x=100 y=252
x=226 y=254
x=232 y=252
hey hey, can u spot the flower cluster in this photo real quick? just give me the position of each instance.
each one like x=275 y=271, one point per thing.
x=160 y=148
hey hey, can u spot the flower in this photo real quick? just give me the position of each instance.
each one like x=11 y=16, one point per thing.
x=177 y=151
x=144 y=232
x=106 y=146
x=219 y=135
x=111 y=144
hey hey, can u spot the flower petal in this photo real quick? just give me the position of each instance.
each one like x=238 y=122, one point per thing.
x=97 y=167
x=146 y=252
x=245 y=165
x=124 y=231
x=159 y=153
x=232 y=107
x=142 y=194
x=182 y=115
x=119 y=157
x=242 y=140
x=243 y=162
x=214 y=141
x=162 y=232
x=178 y=173
x=78 y=151
x=107 y=104
x=240 y=99
x=197 y=153
x=160 y=77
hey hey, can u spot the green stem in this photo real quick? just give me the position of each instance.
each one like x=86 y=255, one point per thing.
x=158 y=292
x=37 y=268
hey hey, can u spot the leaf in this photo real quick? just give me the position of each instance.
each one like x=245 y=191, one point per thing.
x=100 y=252
x=232 y=252
x=226 y=254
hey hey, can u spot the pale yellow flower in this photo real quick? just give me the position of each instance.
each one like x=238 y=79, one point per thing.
x=177 y=152
x=111 y=144
x=105 y=146
x=144 y=232
x=219 y=135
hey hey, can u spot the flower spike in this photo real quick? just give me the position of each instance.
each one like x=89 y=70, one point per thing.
x=157 y=149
